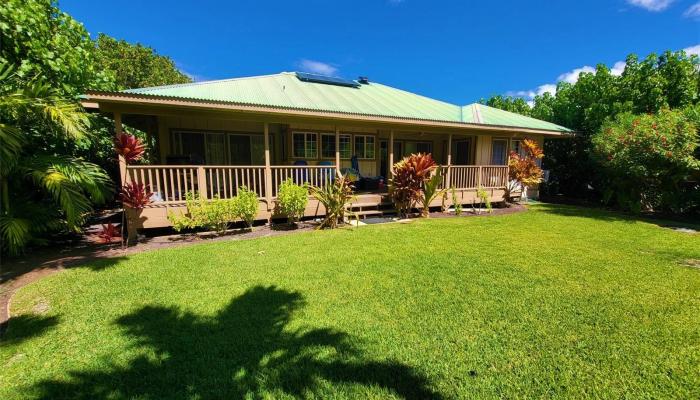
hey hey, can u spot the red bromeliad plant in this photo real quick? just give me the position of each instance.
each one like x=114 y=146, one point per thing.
x=108 y=233
x=409 y=177
x=129 y=146
x=135 y=195
x=524 y=171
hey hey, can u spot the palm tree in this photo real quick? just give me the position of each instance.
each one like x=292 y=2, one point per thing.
x=41 y=190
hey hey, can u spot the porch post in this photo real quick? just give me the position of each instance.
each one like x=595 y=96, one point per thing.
x=337 y=150
x=268 y=170
x=448 y=181
x=122 y=161
x=391 y=153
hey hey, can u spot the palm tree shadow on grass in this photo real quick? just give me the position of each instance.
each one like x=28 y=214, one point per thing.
x=243 y=351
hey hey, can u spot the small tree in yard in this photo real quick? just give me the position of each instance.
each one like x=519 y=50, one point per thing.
x=335 y=198
x=292 y=200
x=524 y=171
x=649 y=161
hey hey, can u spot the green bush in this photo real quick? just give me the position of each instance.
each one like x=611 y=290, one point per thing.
x=246 y=205
x=456 y=203
x=292 y=200
x=649 y=160
x=483 y=196
x=212 y=214
x=335 y=199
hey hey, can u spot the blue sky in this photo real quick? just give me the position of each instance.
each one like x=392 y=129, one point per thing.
x=457 y=51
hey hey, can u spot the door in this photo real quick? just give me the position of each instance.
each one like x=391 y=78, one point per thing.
x=384 y=156
x=239 y=149
x=461 y=152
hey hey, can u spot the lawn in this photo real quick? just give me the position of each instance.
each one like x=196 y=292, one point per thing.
x=553 y=302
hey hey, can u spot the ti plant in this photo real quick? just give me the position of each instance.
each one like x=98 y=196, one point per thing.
x=135 y=195
x=335 y=198
x=431 y=190
x=407 y=184
x=524 y=171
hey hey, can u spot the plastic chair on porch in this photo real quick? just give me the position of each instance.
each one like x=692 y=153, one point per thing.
x=303 y=175
x=326 y=174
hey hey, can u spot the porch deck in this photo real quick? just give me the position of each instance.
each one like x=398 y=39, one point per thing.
x=171 y=183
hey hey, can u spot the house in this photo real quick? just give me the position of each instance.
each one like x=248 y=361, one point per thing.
x=213 y=137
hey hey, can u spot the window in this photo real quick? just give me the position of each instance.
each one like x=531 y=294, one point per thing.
x=418 y=147
x=516 y=145
x=304 y=145
x=187 y=148
x=364 y=146
x=499 y=151
x=328 y=146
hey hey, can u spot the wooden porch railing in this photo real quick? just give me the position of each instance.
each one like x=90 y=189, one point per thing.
x=170 y=183
x=475 y=176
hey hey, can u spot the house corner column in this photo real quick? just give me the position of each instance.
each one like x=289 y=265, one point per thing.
x=337 y=150
x=448 y=181
x=268 y=169
x=123 y=178
x=391 y=153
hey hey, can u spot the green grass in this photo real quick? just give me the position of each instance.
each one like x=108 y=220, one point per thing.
x=557 y=302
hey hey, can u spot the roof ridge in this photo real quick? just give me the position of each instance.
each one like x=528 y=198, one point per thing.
x=177 y=85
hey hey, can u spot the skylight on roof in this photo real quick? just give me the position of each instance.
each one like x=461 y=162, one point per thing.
x=328 y=80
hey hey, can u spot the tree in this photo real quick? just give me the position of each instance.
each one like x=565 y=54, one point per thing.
x=135 y=65
x=671 y=80
x=508 y=103
x=41 y=191
x=648 y=160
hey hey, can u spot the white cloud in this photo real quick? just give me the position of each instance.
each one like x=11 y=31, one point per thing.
x=651 y=5
x=618 y=68
x=572 y=76
x=317 y=67
x=693 y=50
x=693 y=11
x=546 y=88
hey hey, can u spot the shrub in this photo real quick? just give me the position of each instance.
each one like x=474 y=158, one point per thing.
x=213 y=214
x=335 y=198
x=456 y=203
x=246 y=205
x=483 y=196
x=648 y=159
x=524 y=171
x=431 y=190
x=409 y=176
x=292 y=200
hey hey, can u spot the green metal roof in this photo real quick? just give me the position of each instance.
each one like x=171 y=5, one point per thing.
x=285 y=90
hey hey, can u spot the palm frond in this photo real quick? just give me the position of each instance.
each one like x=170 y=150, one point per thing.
x=15 y=233
x=69 y=182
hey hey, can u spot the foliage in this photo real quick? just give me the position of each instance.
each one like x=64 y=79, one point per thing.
x=484 y=199
x=41 y=191
x=135 y=195
x=647 y=158
x=407 y=183
x=211 y=214
x=431 y=190
x=670 y=80
x=108 y=233
x=524 y=171
x=440 y=285
x=129 y=146
x=335 y=198
x=456 y=203
x=136 y=65
x=292 y=200
x=216 y=213
x=245 y=205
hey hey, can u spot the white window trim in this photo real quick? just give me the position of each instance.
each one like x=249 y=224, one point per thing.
x=305 y=133
x=347 y=135
x=374 y=146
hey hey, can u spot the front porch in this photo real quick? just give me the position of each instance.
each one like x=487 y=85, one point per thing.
x=170 y=185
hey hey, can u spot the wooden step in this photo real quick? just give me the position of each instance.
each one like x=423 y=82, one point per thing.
x=366 y=213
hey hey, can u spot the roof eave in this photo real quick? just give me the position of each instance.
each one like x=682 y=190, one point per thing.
x=91 y=99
